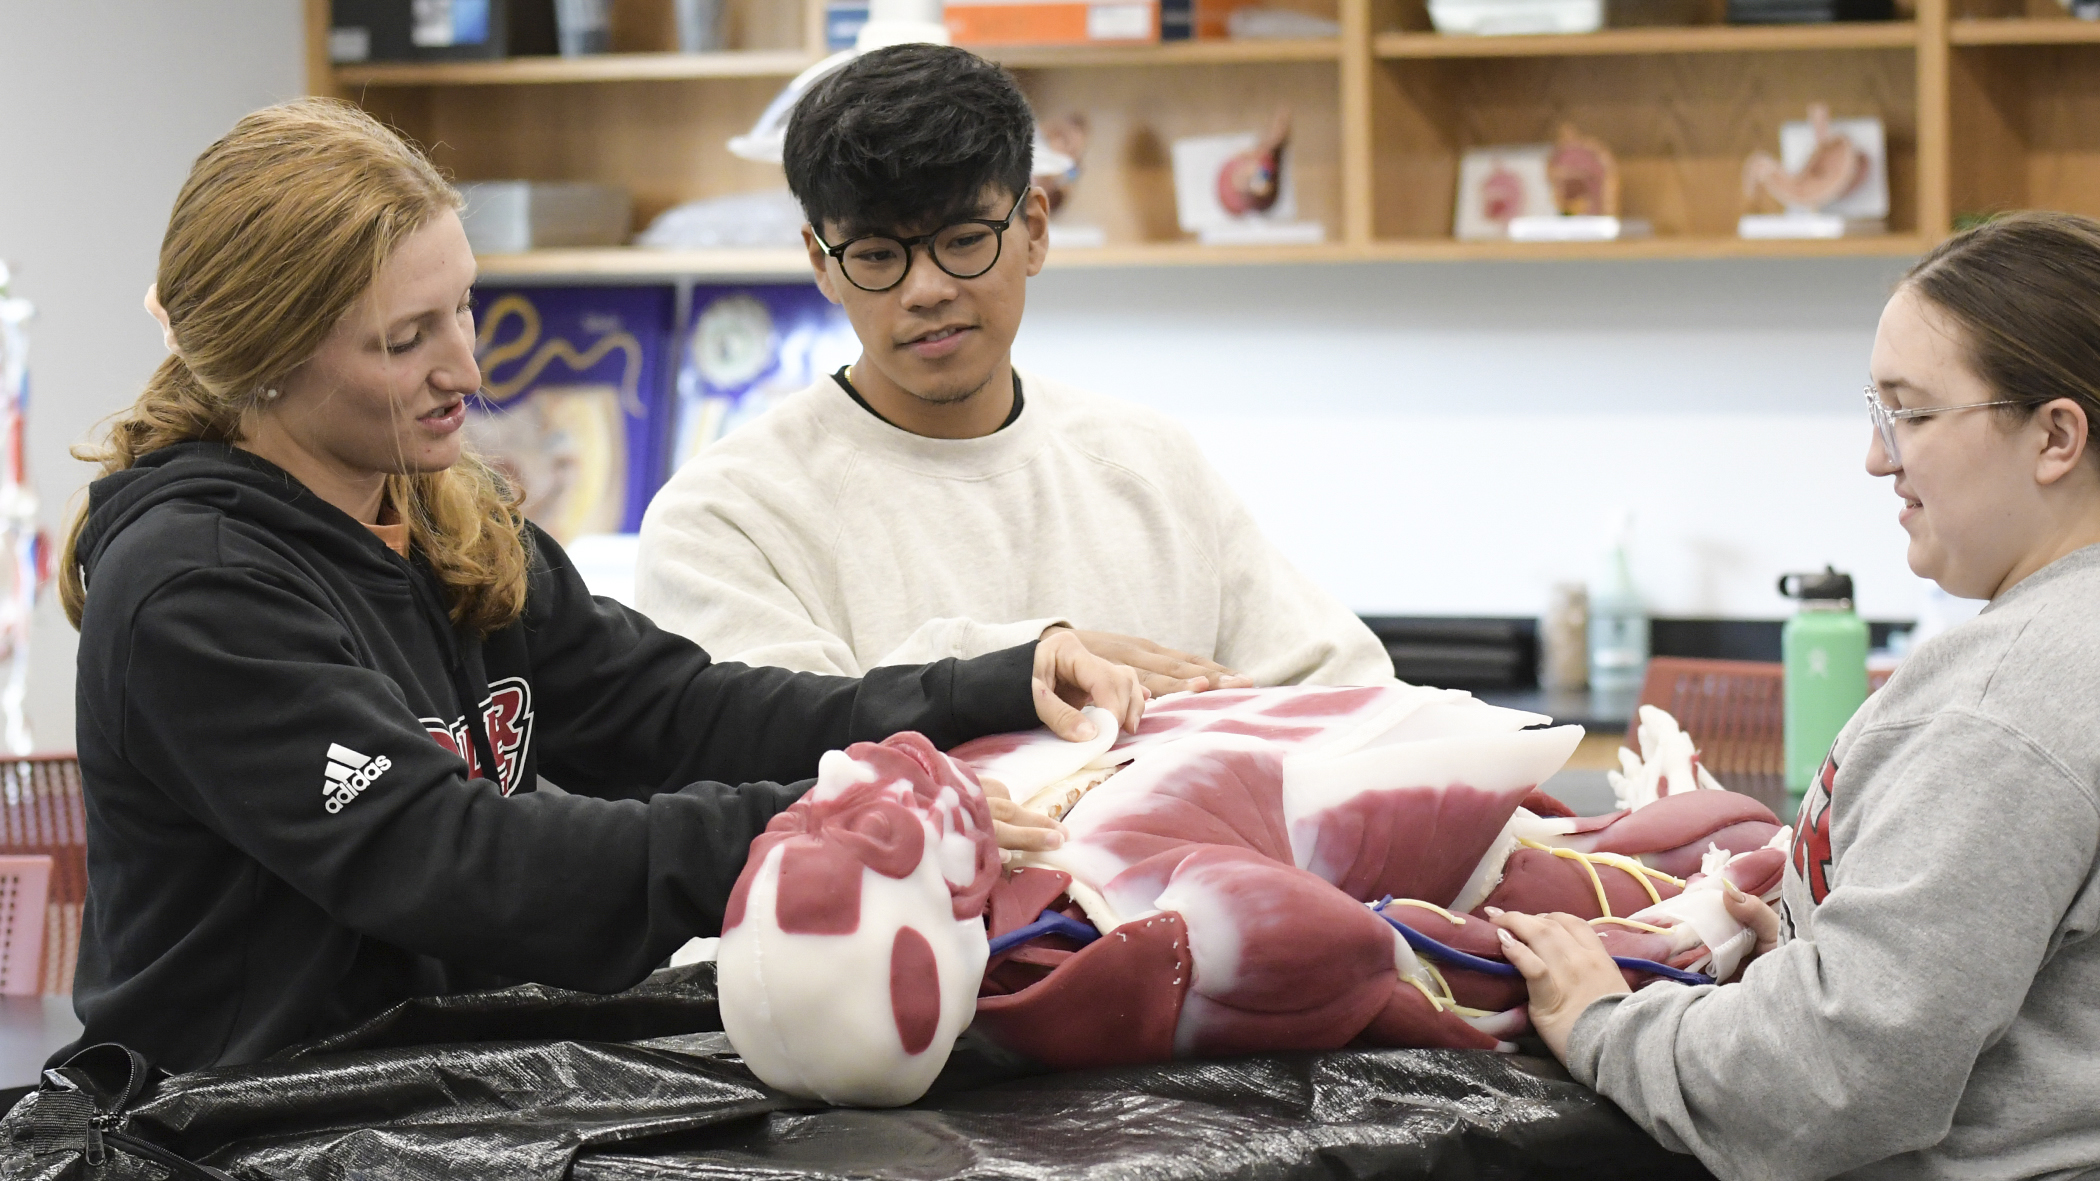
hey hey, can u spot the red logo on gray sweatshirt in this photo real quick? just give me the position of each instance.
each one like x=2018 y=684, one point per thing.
x=1812 y=832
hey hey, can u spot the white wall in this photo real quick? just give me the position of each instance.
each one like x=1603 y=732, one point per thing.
x=103 y=104
x=1424 y=438
x=1437 y=438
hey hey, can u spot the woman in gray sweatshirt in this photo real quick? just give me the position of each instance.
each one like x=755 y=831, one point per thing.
x=1927 y=1003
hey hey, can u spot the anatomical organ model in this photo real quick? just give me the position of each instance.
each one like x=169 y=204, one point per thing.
x=1252 y=870
x=1836 y=167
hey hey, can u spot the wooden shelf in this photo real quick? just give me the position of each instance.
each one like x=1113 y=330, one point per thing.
x=604 y=67
x=1450 y=250
x=629 y=262
x=2024 y=31
x=639 y=262
x=1183 y=53
x=647 y=67
x=2024 y=126
x=1381 y=119
x=1689 y=39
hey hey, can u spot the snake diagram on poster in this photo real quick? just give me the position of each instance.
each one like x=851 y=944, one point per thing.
x=573 y=405
x=581 y=404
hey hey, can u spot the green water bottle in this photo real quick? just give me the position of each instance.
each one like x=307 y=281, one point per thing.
x=1824 y=647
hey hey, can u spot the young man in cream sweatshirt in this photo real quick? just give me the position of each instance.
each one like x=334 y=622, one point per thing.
x=927 y=501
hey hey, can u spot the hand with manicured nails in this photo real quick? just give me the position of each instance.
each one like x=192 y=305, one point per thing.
x=1017 y=828
x=1565 y=965
x=1068 y=676
x=1751 y=911
x=1163 y=670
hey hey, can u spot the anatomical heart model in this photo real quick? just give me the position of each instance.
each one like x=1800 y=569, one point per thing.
x=1252 y=870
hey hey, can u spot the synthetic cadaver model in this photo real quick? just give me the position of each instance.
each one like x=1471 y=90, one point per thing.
x=1252 y=870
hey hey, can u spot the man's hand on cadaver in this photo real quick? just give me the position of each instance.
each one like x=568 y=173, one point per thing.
x=1068 y=676
x=1018 y=828
x=1162 y=669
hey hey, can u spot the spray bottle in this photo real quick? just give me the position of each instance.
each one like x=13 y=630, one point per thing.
x=1618 y=630
x=1824 y=649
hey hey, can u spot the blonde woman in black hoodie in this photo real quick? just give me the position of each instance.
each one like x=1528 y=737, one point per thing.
x=324 y=660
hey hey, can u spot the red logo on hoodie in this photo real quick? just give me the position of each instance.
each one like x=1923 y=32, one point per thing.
x=1812 y=832
x=506 y=716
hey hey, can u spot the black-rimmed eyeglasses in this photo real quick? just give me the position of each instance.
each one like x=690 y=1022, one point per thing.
x=965 y=250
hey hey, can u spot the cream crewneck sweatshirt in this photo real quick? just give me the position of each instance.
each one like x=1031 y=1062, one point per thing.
x=819 y=537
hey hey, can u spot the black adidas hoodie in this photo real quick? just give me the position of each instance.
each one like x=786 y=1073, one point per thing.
x=309 y=797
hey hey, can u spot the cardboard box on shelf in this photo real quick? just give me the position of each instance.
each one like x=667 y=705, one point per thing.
x=510 y=216
x=1053 y=22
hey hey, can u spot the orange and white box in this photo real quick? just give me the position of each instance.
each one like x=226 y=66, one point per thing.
x=1053 y=22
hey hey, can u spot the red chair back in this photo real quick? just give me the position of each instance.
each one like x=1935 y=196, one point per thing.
x=1735 y=712
x=41 y=812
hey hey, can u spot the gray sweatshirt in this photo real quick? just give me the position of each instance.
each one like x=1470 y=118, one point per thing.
x=1935 y=1010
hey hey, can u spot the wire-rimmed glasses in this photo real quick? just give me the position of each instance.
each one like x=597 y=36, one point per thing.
x=1885 y=418
x=965 y=250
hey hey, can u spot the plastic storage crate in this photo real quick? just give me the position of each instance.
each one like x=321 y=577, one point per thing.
x=24 y=882
x=41 y=813
x=1735 y=712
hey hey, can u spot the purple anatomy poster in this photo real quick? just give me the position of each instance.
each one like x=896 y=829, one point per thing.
x=745 y=347
x=575 y=406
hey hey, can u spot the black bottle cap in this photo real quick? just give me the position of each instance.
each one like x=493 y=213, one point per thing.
x=1828 y=585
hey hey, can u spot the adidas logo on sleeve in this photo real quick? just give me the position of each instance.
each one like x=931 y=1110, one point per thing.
x=349 y=773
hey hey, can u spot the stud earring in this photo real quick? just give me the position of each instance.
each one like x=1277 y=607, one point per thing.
x=270 y=395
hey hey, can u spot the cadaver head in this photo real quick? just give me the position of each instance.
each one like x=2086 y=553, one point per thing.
x=853 y=946
x=869 y=802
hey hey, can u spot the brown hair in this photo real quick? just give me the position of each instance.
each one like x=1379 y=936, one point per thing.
x=2025 y=289
x=281 y=226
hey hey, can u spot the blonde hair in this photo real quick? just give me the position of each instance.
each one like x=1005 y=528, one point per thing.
x=281 y=226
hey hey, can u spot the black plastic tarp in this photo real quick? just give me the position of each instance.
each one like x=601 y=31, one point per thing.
x=537 y=1083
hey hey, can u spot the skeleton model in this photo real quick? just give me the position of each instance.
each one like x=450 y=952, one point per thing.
x=26 y=557
x=1252 y=870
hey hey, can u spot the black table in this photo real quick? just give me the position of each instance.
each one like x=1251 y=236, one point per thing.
x=544 y=1085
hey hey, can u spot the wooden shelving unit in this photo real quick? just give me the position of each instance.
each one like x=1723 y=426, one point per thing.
x=2024 y=98
x=609 y=67
x=1989 y=105
x=1627 y=42
x=1185 y=53
x=641 y=264
x=2023 y=31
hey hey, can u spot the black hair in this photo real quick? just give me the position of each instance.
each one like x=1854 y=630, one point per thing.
x=908 y=138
